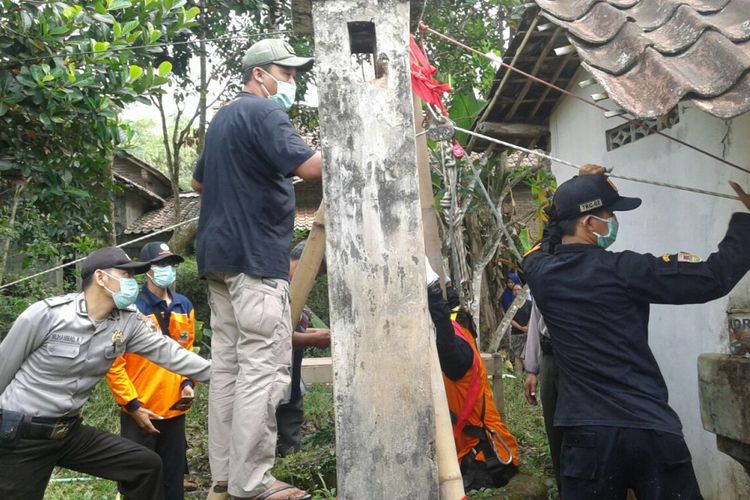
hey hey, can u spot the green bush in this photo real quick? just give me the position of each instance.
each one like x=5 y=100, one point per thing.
x=191 y=286
x=14 y=300
x=318 y=299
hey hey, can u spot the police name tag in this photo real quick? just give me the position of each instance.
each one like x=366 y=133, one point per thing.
x=585 y=207
x=688 y=257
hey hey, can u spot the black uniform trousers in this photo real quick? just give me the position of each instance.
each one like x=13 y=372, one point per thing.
x=25 y=469
x=289 y=418
x=169 y=444
x=602 y=463
x=548 y=380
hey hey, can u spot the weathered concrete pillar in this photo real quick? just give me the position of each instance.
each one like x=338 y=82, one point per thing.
x=385 y=427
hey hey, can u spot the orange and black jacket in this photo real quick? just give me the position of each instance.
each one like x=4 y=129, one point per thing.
x=467 y=389
x=136 y=381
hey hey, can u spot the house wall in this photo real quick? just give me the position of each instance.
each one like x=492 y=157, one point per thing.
x=670 y=221
x=129 y=205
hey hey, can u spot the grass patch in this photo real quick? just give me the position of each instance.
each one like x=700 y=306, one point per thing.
x=314 y=467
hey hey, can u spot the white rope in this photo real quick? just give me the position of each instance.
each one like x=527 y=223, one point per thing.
x=578 y=167
x=168 y=228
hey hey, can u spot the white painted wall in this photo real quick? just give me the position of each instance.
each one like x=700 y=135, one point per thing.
x=670 y=221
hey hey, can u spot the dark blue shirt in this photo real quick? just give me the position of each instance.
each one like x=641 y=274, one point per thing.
x=596 y=306
x=247 y=202
x=148 y=304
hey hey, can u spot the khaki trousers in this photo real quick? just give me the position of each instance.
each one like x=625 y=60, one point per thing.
x=251 y=354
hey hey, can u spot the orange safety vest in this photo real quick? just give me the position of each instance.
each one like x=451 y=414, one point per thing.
x=134 y=377
x=473 y=411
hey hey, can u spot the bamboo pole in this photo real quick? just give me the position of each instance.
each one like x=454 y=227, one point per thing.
x=449 y=473
x=309 y=264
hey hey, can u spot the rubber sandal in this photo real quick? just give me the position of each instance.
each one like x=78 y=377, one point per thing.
x=273 y=491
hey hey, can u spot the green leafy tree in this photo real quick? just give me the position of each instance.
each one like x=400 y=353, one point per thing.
x=65 y=72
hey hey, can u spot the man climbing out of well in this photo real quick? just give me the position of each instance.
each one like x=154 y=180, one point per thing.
x=153 y=408
x=487 y=452
x=618 y=430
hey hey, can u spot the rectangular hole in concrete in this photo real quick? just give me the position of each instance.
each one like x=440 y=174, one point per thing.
x=363 y=47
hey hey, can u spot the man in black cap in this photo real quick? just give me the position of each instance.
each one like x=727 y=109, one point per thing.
x=52 y=358
x=154 y=401
x=618 y=429
x=245 y=228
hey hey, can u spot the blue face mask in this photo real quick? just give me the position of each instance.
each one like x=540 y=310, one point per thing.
x=605 y=241
x=128 y=292
x=164 y=276
x=285 y=94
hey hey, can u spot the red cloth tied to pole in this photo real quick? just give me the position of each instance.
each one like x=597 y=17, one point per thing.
x=427 y=88
x=423 y=81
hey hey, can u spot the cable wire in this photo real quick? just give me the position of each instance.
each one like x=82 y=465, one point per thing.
x=578 y=167
x=638 y=121
x=61 y=266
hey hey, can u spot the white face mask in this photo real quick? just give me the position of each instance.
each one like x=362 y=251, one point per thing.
x=285 y=95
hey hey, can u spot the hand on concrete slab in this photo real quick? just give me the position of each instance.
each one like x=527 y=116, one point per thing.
x=590 y=169
x=142 y=417
x=529 y=388
x=741 y=194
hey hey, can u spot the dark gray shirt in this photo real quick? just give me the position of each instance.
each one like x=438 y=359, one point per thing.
x=247 y=203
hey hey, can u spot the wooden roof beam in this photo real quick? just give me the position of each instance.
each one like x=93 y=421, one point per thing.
x=534 y=71
x=499 y=90
x=503 y=129
x=554 y=80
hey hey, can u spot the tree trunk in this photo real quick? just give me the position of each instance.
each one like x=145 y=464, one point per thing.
x=203 y=99
x=182 y=237
x=112 y=234
x=11 y=223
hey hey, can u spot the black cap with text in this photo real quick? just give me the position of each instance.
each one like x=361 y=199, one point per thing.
x=587 y=193
x=111 y=257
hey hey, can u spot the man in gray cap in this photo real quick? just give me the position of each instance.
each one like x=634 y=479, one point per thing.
x=52 y=358
x=245 y=228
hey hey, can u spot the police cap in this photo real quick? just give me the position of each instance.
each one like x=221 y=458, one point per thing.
x=159 y=252
x=587 y=193
x=111 y=257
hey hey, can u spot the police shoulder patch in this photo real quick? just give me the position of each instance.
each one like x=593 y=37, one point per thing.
x=147 y=321
x=58 y=301
x=688 y=257
x=536 y=247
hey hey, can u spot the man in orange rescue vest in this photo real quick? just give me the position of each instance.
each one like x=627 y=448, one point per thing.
x=487 y=452
x=154 y=401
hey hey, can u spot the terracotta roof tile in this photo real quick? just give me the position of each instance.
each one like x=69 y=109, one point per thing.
x=160 y=218
x=650 y=54
x=308 y=197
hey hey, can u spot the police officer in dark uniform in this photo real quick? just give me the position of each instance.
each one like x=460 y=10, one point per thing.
x=50 y=361
x=618 y=430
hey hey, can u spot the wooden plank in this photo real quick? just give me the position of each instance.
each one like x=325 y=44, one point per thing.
x=309 y=264
x=320 y=370
x=449 y=472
